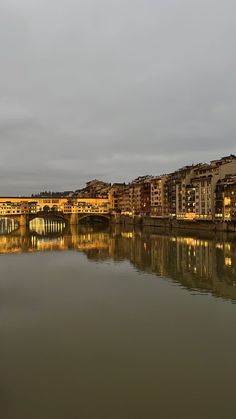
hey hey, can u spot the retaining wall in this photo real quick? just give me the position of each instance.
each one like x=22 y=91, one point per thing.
x=204 y=225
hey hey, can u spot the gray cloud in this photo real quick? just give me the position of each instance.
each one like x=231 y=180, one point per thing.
x=113 y=89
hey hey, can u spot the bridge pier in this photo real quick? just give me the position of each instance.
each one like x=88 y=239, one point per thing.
x=23 y=225
x=74 y=219
x=24 y=220
x=73 y=230
x=23 y=230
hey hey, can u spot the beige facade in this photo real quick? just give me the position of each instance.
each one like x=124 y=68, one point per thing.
x=124 y=201
x=158 y=196
x=205 y=183
x=225 y=208
x=195 y=193
x=175 y=190
x=182 y=193
x=120 y=198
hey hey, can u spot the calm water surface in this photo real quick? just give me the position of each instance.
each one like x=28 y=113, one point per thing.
x=105 y=323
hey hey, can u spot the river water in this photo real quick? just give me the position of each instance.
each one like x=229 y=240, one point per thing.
x=99 y=322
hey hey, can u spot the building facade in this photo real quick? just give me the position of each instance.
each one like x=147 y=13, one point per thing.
x=196 y=189
x=159 y=203
x=225 y=199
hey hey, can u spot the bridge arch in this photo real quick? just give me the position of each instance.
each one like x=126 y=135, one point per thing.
x=48 y=215
x=102 y=217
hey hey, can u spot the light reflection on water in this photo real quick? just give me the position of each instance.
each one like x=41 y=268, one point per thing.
x=7 y=225
x=41 y=226
x=198 y=263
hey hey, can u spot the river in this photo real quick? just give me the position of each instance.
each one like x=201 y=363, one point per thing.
x=102 y=322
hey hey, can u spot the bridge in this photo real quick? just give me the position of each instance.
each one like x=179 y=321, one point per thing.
x=70 y=210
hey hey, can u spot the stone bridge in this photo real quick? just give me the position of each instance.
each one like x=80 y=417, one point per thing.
x=70 y=210
x=73 y=219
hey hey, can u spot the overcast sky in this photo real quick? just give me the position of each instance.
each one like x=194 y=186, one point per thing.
x=113 y=89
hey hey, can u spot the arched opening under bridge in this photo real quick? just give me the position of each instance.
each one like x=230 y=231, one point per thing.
x=94 y=219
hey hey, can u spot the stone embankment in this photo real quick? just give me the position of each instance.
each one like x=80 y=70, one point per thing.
x=204 y=225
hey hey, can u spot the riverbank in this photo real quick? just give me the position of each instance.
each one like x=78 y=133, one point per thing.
x=204 y=225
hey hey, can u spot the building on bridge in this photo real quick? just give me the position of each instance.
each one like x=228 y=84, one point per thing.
x=63 y=206
x=17 y=208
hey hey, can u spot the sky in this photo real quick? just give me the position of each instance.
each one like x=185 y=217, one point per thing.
x=113 y=89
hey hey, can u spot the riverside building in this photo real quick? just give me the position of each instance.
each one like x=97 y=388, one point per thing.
x=225 y=199
x=159 y=204
x=196 y=193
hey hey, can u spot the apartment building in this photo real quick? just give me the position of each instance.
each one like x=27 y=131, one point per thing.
x=120 y=198
x=205 y=181
x=135 y=198
x=196 y=188
x=159 y=204
x=225 y=199
x=145 y=198
x=124 y=201
x=140 y=196
x=187 y=193
x=176 y=186
x=202 y=184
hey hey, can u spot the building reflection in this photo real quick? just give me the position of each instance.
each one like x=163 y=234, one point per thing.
x=197 y=263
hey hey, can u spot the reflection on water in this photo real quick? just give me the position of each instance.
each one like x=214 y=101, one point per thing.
x=7 y=225
x=41 y=226
x=197 y=263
